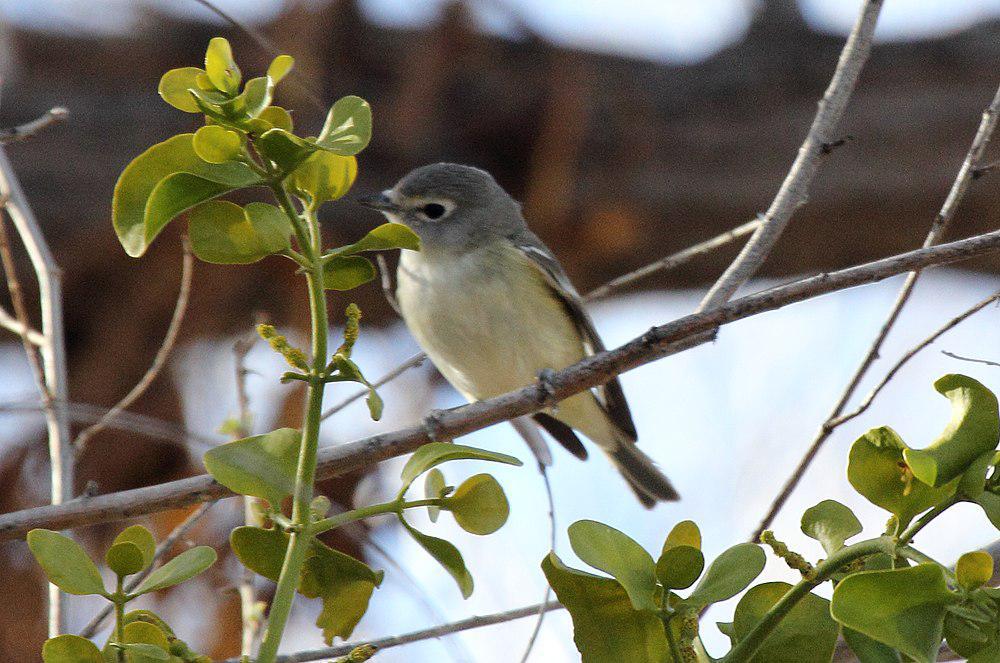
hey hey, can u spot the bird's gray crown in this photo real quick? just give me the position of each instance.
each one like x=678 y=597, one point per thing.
x=467 y=186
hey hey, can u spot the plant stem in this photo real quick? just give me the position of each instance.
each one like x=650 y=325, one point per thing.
x=119 y=599
x=396 y=506
x=925 y=519
x=305 y=473
x=675 y=651
x=748 y=646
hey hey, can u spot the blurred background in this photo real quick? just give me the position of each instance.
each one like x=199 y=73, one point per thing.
x=629 y=130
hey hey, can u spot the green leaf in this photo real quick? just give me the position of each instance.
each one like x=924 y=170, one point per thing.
x=217 y=144
x=220 y=66
x=973 y=480
x=974 y=569
x=348 y=127
x=728 y=575
x=125 y=558
x=868 y=650
x=143 y=653
x=617 y=554
x=876 y=470
x=70 y=649
x=974 y=429
x=262 y=466
x=65 y=563
x=257 y=95
x=343 y=583
x=902 y=608
x=606 y=629
x=278 y=118
x=433 y=454
x=387 y=236
x=806 y=634
x=145 y=643
x=280 y=66
x=684 y=533
x=375 y=404
x=679 y=566
x=322 y=176
x=347 y=272
x=147 y=198
x=991 y=505
x=831 y=523
x=142 y=538
x=186 y=565
x=434 y=487
x=175 y=86
x=447 y=556
x=260 y=550
x=479 y=505
x=227 y=234
x=970 y=631
x=283 y=148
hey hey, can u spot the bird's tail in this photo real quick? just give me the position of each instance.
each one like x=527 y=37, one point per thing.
x=643 y=477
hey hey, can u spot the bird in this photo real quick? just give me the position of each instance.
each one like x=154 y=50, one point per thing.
x=494 y=310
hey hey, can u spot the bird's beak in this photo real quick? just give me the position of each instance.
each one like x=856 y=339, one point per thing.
x=379 y=201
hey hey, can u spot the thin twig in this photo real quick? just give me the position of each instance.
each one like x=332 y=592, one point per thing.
x=53 y=354
x=941 y=222
x=951 y=324
x=674 y=260
x=169 y=341
x=658 y=342
x=179 y=532
x=543 y=606
x=794 y=190
x=972 y=359
x=10 y=323
x=386 y=282
x=29 y=129
x=412 y=362
x=417 y=636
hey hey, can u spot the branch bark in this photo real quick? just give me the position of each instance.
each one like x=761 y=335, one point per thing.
x=795 y=189
x=656 y=343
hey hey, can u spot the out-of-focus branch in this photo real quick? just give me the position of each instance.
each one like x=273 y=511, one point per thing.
x=169 y=340
x=966 y=174
x=412 y=362
x=658 y=342
x=11 y=323
x=179 y=532
x=970 y=359
x=55 y=390
x=795 y=189
x=417 y=636
x=29 y=129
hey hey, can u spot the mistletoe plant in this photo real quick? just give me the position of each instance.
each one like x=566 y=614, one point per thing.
x=249 y=143
x=891 y=602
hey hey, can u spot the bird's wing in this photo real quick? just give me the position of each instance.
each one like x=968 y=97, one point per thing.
x=611 y=395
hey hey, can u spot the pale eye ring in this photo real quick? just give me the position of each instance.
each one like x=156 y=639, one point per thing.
x=433 y=211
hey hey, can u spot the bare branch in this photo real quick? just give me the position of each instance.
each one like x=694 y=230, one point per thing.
x=658 y=342
x=9 y=322
x=29 y=129
x=963 y=179
x=673 y=261
x=179 y=532
x=169 y=340
x=52 y=349
x=795 y=189
x=417 y=636
x=412 y=362
x=972 y=359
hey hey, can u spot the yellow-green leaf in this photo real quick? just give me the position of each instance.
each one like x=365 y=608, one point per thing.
x=684 y=533
x=348 y=127
x=347 y=272
x=70 y=649
x=610 y=550
x=974 y=569
x=280 y=66
x=220 y=67
x=479 y=505
x=217 y=144
x=224 y=233
x=176 y=85
x=387 y=236
x=807 y=634
x=65 y=563
x=323 y=176
x=142 y=538
x=125 y=558
x=261 y=466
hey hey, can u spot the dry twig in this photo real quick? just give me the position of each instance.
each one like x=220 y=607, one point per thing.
x=971 y=359
x=29 y=129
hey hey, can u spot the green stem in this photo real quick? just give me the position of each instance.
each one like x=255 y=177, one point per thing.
x=748 y=646
x=395 y=506
x=675 y=650
x=305 y=474
x=925 y=519
x=119 y=600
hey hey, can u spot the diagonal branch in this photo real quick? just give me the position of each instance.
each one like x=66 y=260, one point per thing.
x=29 y=129
x=795 y=189
x=169 y=340
x=966 y=174
x=598 y=369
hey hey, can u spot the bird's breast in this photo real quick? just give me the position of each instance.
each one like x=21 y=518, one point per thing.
x=487 y=319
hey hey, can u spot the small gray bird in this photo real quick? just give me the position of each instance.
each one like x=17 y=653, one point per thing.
x=492 y=308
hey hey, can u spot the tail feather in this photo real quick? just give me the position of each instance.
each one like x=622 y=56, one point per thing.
x=643 y=477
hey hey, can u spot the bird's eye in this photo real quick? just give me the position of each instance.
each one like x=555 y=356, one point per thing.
x=433 y=210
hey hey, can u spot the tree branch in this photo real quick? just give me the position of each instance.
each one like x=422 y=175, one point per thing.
x=29 y=129
x=590 y=372
x=52 y=349
x=169 y=340
x=970 y=359
x=795 y=189
x=966 y=173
